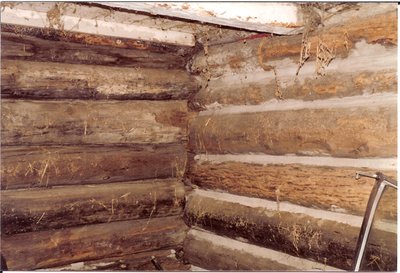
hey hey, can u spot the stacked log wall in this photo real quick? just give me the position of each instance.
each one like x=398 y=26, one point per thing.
x=265 y=134
x=94 y=138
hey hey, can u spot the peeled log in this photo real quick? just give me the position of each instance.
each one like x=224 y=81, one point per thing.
x=92 y=122
x=340 y=37
x=61 y=207
x=326 y=188
x=301 y=233
x=23 y=47
x=27 y=79
x=44 y=249
x=47 y=166
x=341 y=132
x=252 y=88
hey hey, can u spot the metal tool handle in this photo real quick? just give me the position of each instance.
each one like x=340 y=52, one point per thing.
x=381 y=181
x=379 y=176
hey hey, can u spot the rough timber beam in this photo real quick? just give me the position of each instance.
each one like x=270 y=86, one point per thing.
x=279 y=18
x=98 y=26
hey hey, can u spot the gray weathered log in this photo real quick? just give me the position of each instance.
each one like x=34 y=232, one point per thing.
x=45 y=80
x=52 y=248
x=47 y=166
x=23 y=47
x=62 y=207
x=92 y=122
x=51 y=34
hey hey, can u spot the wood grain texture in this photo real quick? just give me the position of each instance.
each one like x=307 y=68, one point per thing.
x=240 y=90
x=45 y=80
x=23 y=47
x=92 y=122
x=351 y=132
x=341 y=38
x=328 y=188
x=227 y=254
x=47 y=166
x=134 y=262
x=51 y=34
x=62 y=207
x=44 y=249
x=322 y=240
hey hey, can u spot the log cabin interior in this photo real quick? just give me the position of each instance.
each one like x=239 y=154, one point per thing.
x=146 y=136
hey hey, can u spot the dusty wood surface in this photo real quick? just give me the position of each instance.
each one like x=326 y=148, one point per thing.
x=56 y=17
x=43 y=249
x=92 y=122
x=341 y=38
x=325 y=241
x=45 y=80
x=136 y=262
x=329 y=188
x=239 y=89
x=61 y=207
x=353 y=132
x=47 y=166
x=23 y=47
x=96 y=40
x=264 y=17
x=215 y=253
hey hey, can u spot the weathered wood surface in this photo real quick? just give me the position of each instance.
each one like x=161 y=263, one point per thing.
x=47 y=166
x=256 y=88
x=215 y=253
x=51 y=34
x=44 y=249
x=61 y=207
x=136 y=262
x=349 y=132
x=92 y=122
x=55 y=17
x=264 y=17
x=323 y=240
x=329 y=188
x=23 y=47
x=46 y=80
x=341 y=38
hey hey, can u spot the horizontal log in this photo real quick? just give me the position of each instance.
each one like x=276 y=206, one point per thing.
x=23 y=47
x=328 y=188
x=45 y=80
x=215 y=253
x=249 y=88
x=44 y=249
x=326 y=237
x=341 y=132
x=61 y=207
x=51 y=34
x=341 y=37
x=92 y=122
x=55 y=17
x=47 y=166
x=136 y=262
